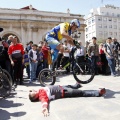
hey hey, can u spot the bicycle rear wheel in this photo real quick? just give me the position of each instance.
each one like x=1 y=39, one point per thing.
x=83 y=73
x=5 y=86
x=46 y=77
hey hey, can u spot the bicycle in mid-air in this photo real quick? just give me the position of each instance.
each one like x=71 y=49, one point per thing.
x=82 y=72
x=5 y=83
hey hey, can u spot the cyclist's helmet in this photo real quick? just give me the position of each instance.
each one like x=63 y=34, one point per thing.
x=76 y=22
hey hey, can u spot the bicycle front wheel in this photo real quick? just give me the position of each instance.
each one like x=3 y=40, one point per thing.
x=8 y=75
x=46 y=77
x=83 y=73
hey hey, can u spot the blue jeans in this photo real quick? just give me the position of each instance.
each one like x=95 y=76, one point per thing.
x=53 y=43
x=111 y=63
x=33 y=69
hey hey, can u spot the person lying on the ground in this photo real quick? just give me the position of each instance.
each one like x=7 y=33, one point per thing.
x=56 y=92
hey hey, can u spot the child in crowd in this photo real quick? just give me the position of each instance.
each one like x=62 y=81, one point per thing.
x=33 y=56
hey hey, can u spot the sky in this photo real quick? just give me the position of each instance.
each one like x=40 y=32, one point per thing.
x=76 y=6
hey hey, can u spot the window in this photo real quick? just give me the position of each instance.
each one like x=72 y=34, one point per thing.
x=112 y=14
x=99 y=19
x=107 y=13
x=104 y=19
x=110 y=33
x=86 y=29
x=110 y=26
x=115 y=20
x=86 y=35
x=115 y=26
x=93 y=20
x=105 y=26
x=89 y=22
x=100 y=26
x=105 y=33
x=100 y=33
x=110 y=19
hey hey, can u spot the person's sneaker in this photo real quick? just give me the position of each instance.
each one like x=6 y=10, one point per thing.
x=76 y=86
x=102 y=91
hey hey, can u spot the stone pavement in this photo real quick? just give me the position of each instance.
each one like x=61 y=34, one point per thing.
x=18 y=107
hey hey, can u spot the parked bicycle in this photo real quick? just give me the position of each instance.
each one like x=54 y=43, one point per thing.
x=5 y=83
x=82 y=72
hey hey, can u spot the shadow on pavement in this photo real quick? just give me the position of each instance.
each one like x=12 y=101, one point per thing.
x=8 y=104
x=5 y=115
x=110 y=94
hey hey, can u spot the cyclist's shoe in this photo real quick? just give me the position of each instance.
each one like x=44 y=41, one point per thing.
x=102 y=91
x=76 y=86
x=60 y=68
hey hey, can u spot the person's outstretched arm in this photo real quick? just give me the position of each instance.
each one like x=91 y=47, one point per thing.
x=45 y=101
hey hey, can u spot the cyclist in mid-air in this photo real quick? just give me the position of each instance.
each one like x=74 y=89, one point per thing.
x=59 y=32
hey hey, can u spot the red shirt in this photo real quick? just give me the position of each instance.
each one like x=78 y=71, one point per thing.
x=101 y=51
x=45 y=52
x=49 y=93
x=15 y=50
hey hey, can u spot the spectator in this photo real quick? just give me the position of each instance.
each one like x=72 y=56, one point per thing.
x=116 y=48
x=41 y=43
x=29 y=47
x=45 y=54
x=16 y=54
x=66 y=55
x=108 y=49
x=80 y=53
x=40 y=60
x=103 y=59
x=33 y=62
x=10 y=38
x=93 y=53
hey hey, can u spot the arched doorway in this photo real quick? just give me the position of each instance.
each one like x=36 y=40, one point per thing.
x=5 y=37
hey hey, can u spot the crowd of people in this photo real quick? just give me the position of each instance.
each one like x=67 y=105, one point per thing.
x=50 y=53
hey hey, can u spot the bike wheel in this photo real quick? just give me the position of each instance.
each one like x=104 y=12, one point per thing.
x=46 y=77
x=5 y=86
x=83 y=73
x=8 y=75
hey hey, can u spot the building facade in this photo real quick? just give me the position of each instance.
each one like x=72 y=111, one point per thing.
x=29 y=24
x=103 y=22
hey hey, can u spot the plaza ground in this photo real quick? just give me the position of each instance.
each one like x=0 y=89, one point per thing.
x=18 y=107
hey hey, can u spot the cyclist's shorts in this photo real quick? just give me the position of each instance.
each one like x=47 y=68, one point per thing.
x=53 y=43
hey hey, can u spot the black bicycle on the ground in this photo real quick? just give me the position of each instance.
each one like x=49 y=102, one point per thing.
x=5 y=83
x=82 y=72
